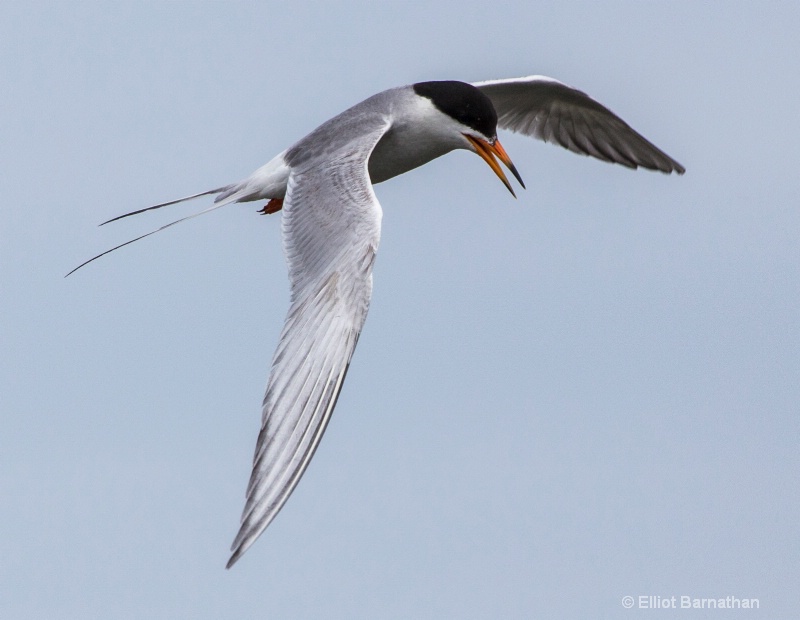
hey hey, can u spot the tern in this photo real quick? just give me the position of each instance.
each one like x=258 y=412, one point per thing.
x=331 y=226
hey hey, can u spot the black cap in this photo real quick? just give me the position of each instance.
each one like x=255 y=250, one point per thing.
x=463 y=102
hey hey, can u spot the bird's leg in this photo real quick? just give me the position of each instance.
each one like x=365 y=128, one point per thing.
x=273 y=206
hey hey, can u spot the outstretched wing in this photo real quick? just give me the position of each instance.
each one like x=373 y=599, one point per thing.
x=545 y=108
x=331 y=229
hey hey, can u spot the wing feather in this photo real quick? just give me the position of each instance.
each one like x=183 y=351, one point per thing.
x=331 y=229
x=546 y=109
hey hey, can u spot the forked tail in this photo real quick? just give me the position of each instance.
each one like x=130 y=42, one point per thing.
x=226 y=196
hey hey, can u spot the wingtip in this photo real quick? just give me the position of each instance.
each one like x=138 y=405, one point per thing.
x=675 y=167
x=238 y=549
x=240 y=544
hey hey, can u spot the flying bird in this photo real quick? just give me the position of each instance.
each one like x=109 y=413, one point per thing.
x=331 y=226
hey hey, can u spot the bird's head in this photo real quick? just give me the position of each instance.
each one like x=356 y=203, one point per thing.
x=474 y=118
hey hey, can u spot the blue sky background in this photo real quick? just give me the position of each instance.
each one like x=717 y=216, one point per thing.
x=557 y=401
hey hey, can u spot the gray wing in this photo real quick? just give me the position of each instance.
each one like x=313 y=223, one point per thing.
x=331 y=229
x=545 y=108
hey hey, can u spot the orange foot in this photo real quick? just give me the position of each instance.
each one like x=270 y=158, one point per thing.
x=273 y=206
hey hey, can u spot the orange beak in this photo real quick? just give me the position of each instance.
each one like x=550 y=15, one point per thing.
x=488 y=151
